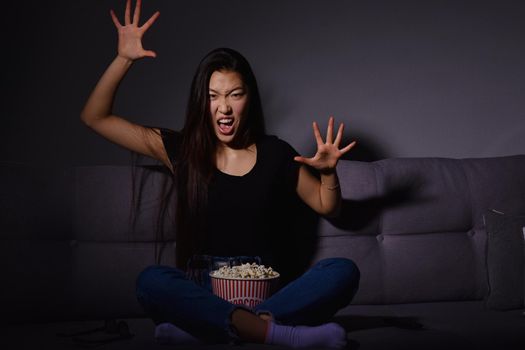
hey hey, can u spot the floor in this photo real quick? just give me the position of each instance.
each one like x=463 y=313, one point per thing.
x=448 y=325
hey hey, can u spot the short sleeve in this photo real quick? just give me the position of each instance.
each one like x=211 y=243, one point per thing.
x=291 y=167
x=170 y=139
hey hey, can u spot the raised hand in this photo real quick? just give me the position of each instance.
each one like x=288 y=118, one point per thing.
x=130 y=34
x=328 y=153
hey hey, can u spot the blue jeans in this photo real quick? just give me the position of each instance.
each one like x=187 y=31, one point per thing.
x=168 y=295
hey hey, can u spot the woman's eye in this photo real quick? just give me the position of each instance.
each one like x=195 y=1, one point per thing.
x=213 y=96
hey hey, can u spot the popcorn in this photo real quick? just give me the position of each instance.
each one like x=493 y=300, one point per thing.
x=245 y=271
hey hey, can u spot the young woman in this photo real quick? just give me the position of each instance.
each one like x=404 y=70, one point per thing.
x=234 y=184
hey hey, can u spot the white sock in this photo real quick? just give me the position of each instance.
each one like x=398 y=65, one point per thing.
x=329 y=335
x=169 y=334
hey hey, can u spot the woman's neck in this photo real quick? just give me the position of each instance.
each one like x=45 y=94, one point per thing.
x=236 y=162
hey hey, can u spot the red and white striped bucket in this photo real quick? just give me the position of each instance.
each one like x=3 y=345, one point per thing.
x=243 y=291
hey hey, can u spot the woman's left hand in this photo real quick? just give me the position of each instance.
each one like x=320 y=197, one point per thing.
x=328 y=153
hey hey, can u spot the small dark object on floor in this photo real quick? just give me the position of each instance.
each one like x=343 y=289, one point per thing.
x=111 y=331
x=403 y=322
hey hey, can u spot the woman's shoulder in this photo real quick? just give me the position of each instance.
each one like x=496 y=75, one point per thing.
x=171 y=140
x=169 y=133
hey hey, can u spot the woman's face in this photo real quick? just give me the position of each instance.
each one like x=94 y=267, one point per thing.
x=228 y=103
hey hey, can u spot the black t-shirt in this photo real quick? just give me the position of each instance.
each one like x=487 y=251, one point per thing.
x=248 y=214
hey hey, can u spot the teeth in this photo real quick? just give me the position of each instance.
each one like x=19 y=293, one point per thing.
x=225 y=121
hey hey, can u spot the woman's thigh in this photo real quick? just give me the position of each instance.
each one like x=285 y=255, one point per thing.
x=317 y=295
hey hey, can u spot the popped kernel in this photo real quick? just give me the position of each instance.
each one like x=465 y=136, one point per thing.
x=249 y=271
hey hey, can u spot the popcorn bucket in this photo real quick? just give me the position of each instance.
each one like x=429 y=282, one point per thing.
x=243 y=291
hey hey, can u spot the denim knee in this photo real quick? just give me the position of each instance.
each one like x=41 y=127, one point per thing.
x=154 y=275
x=347 y=272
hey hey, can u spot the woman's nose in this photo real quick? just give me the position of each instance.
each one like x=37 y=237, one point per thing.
x=224 y=107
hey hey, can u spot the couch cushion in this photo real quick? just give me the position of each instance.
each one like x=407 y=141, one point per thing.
x=423 y=195
x=115 y=233
x=108 y=208
x=495 y=183
x=104 y=275
x=505 y=260
x=426 y=217
x=367 y=253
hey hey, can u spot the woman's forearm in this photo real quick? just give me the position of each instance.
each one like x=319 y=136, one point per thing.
x=100 y=101
x=323 y=196
x=330 y=194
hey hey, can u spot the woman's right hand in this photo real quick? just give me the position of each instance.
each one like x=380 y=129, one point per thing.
x=130 y=34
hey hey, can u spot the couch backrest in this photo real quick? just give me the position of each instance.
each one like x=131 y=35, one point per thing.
x=414 y=226
x=68 y=247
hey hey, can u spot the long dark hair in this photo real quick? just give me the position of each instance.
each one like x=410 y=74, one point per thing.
x=196 y=151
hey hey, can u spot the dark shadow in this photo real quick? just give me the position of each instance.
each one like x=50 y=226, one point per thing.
x=295 y=249
x=365 y=149
x=357 y=322
x=358 y=214
x=352 y=344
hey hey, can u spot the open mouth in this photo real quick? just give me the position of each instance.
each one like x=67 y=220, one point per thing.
x=225 y=125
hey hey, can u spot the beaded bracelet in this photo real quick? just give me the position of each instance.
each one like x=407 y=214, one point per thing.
x=331 y=188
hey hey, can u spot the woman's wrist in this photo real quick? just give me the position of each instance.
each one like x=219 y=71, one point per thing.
x=330 y=187
x=124 y=60
x=330 y=181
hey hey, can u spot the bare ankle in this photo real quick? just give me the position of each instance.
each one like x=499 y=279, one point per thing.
x=266 y=317
x=249 y=326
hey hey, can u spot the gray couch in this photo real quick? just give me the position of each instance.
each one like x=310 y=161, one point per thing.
x=70 y=253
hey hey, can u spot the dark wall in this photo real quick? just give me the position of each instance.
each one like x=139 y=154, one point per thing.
x=408 y=78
